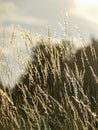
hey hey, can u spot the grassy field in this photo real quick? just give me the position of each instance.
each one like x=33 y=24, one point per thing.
x=57 y=91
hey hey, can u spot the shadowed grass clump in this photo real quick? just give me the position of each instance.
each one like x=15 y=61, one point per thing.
x=87 y=65
x=52 y=94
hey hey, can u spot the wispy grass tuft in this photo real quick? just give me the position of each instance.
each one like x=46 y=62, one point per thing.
x=57 y=91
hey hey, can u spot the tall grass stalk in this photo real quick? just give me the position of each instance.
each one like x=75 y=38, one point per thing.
x=50 y=95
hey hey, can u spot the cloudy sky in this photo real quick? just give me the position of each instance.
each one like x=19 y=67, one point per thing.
x=36 y=14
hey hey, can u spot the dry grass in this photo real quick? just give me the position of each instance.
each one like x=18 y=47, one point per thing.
x=50 y=95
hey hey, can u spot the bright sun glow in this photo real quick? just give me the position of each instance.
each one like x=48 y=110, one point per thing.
x=87 y=9
x=86 y=4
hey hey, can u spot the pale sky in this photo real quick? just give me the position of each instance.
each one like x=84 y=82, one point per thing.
x=36 y=14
